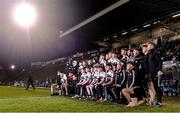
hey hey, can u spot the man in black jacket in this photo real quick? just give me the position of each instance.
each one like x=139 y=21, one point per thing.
x=30 y=81
x=155 y=66
x=145 y=60
x=147 y=84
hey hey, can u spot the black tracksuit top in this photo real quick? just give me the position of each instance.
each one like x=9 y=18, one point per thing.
x=154 y=62
x=120 y=77
x=133 y=79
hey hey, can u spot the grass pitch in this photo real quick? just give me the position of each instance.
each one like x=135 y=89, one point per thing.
x=14 y=99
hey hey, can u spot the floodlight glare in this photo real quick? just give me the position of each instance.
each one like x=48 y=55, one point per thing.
x=12 y=66
x=25 y=14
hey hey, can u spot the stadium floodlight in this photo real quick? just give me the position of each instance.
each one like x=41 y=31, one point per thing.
x=147 y=25
x=124 y=33
x=133 y=30
x=12 y=67
x=176 y=15
x=155 y=22
x=25 y=14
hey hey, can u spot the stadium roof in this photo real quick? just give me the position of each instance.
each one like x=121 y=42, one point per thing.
x=61 y=15
x=133 y=13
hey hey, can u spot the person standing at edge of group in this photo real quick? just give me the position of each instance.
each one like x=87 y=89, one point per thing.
x=146 y=81
x=155 y=66
x=30 y=81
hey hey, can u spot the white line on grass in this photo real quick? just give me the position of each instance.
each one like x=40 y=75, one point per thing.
x=14 y=98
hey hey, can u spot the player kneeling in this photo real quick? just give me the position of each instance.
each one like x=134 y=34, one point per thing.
x=60 y=85
x=55 y=87
x=133 y=88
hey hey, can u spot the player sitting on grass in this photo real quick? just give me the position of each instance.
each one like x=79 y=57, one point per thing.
x=87 y=80
x=79 y=84
x=56 y=86
x=84 y=80
x=119 y=83
x=94 y=80
x=64 y=84
x=108 y=84
x=99 y=85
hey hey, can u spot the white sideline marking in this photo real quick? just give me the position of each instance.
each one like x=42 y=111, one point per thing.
x=14 y=98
